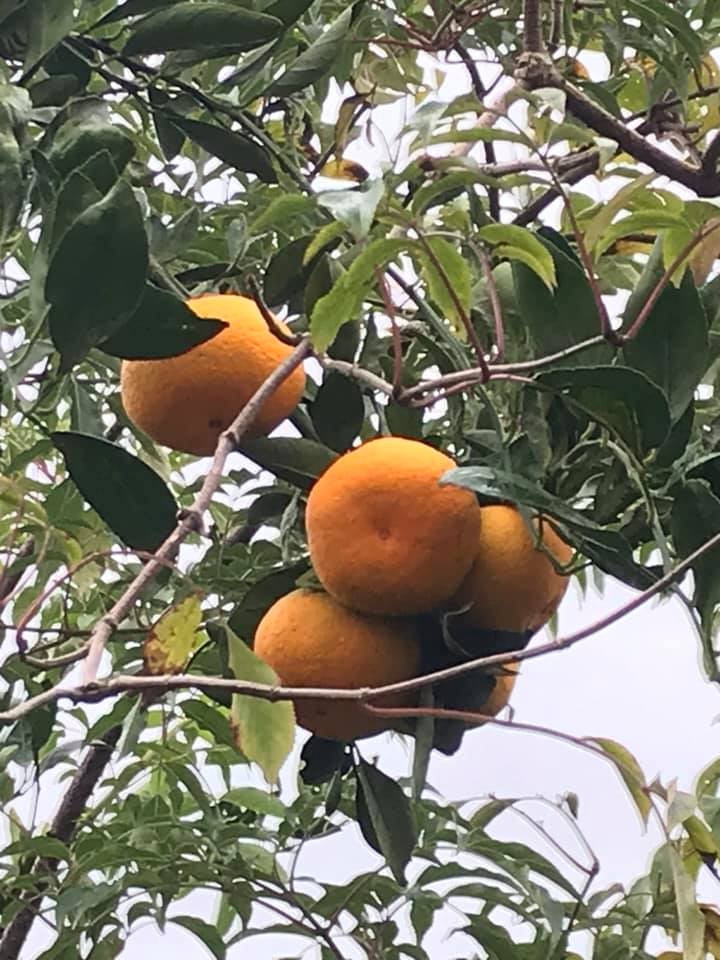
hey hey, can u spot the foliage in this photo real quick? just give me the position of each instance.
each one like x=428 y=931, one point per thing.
x=474 y=292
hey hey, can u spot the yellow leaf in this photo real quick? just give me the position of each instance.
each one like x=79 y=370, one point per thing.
x=626 y=248
x=344 y=170
x=262 y=730
x=173 y=638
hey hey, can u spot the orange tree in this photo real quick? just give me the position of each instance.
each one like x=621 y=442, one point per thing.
x=527 y=285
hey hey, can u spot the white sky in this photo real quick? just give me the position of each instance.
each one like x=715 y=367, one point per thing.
x=639 y=682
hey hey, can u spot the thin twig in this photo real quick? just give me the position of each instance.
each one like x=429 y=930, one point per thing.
x=102 y=689
x=397 y=345
x=8 y=580
x=494 y=303
x=190 y=519
x=268 y=316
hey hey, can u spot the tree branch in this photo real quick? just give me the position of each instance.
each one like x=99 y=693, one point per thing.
x=190 y=519
x=532 y=27
x=103 y=689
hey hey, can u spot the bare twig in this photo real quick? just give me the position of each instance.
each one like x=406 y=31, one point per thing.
x=268 y=316
x=494 y=303
x=397 y=345
x=189 y=520
x=358 y=373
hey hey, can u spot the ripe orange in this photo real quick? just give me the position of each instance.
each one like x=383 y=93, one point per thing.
x=512 y=584
x=310 y=640
x=185 y=402
x=501 y=692
x=384 y=536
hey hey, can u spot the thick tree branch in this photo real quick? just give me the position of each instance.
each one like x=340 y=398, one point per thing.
x=537 y=71
x=63 y=826
x=532 y=27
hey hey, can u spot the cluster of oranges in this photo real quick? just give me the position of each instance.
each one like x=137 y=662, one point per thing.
x=390 y=543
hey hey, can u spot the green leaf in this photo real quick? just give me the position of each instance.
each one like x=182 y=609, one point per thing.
x=321 y=759
x=11 y=183
x=695 y=518
x=355 y=208
x=692 y=921
x=261 y=596
x=338 y=411
x=562 y=317
x=209 y=719
x=289 y=11
x=506 y=237
x=444 y=269
x=314 y=62
x=129 y=496
x=160 y=326
x=671 y=348
x=287 y=273
x=294 y=459
x=390 y=815
x=206 y=933
x=608 y=549
x=40 y=846
x=90 y=140
x=621 y=398
x=173 y=637
x=134 y=8
x=263 y=731
x=629 y=770
x=250 y=798
x=48 y=22
x=640 y=222
x=223 y=27
x=107 y=243
x=169 y=136
x=349 y=290
x=233 y=148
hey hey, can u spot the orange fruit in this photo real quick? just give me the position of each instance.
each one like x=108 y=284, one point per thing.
x=310 y=640
x=512 y=584
x=384 y=536
x=185 y=402
x=501 y=692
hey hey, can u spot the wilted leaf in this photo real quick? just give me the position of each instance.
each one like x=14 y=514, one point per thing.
x=263 y=731
x=129 y=496
x=173 y=637
x=629 y=770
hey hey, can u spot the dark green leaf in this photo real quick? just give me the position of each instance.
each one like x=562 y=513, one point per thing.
x=89 y=139
x=205 y=933
x=129 y=496
x=321 y=759
x=560 y=318
x=287 y=273
x=135 y=8
x=696 y=518
x=404 y=421
x=338 y=411
x=289 y=11
x=169 y=135
x=161 y=326
x=671 y=348
x=390 y=815
x=48 y=21
x=107 y=243
x=314 y=62
x=210 y=719
x=607 y=548
x=260 y=597
x=622 y=399
x=233 y=148
x=294 y=459
x=190 y=26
